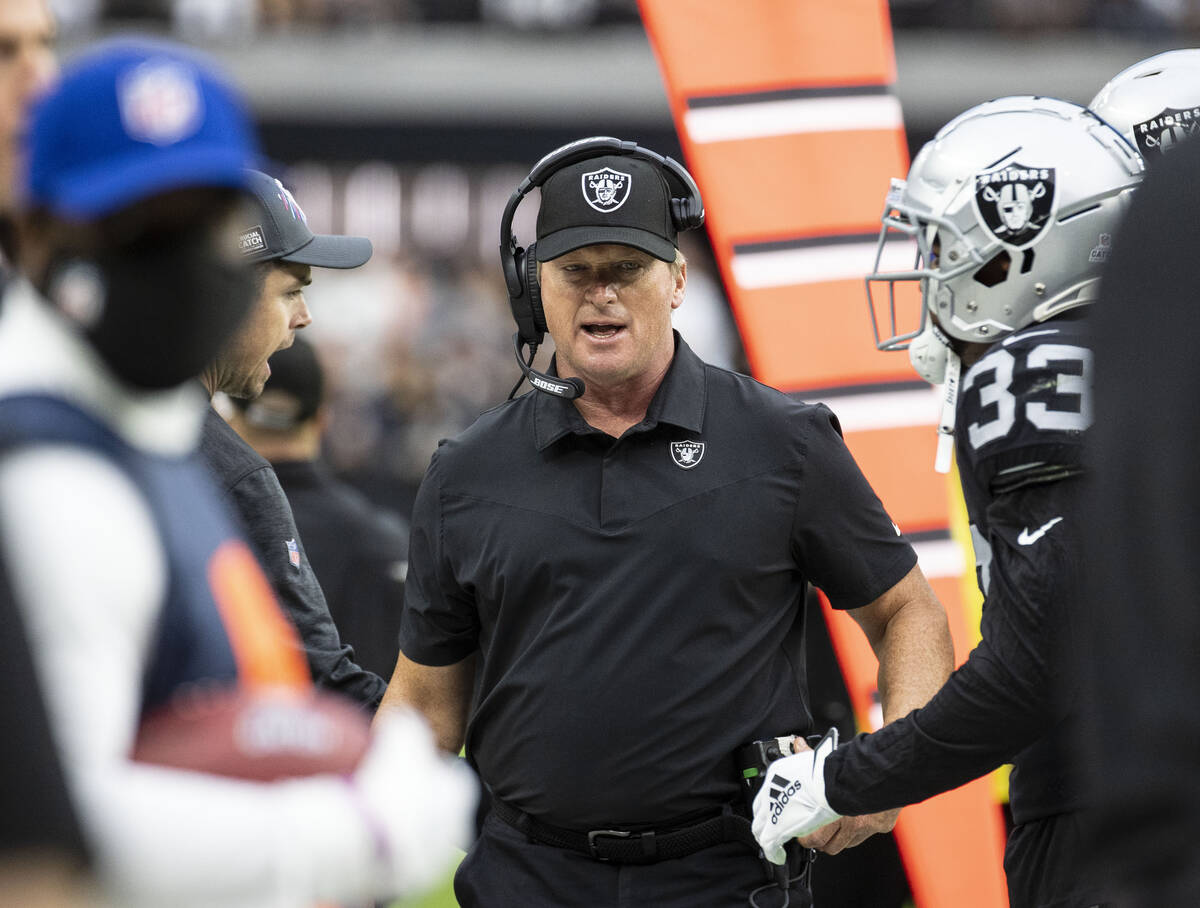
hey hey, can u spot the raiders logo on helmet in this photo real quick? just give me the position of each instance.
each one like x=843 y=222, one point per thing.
x=606 y=190
x=1015 y=202
x=1162 y=132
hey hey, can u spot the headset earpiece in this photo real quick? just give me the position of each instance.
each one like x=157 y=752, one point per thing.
x=683 y=216
x=533 y=289
x=526 y=300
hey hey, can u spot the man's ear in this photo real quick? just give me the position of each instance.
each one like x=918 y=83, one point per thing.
x=680 y=286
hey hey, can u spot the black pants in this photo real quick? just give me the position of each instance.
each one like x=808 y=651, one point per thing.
x=504 y=869
x=1045 y=865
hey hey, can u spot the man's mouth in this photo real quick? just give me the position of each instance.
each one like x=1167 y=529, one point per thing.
x=602 y=332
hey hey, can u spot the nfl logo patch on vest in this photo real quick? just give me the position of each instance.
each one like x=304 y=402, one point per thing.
x=687 y=454
x=293 y=553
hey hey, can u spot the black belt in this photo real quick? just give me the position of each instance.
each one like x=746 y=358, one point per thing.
x=627 y=846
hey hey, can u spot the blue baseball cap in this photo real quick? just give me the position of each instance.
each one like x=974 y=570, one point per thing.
x=132 y=119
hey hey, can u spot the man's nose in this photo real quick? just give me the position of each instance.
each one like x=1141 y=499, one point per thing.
x=601 y=290
x=301 y=318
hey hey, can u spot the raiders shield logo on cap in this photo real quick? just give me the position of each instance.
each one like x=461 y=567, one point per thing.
x=606 y=190
x=1160 y=134
x=1015 y=202
x=687 y=454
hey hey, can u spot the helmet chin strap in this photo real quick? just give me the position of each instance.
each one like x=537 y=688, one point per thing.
x=945 y=443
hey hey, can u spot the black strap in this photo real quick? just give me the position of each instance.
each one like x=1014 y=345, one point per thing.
x=625 y=846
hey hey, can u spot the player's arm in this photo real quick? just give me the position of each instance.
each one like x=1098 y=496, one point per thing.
x=908 y=632
x=441 y=693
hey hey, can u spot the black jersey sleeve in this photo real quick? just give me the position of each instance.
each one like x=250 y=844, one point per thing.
x=1008 y=693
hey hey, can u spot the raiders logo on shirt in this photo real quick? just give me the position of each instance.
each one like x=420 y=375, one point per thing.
x=1015 y=202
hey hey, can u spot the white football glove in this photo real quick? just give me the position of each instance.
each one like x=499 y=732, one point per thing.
x=421 y=803
x=792 y=801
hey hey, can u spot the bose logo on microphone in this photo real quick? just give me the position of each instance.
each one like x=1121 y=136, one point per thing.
x=547 y=385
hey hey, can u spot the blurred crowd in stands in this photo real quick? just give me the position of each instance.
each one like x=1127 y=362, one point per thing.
x=234 y=18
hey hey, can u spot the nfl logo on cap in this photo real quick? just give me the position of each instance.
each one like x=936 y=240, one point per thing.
x=160 y=102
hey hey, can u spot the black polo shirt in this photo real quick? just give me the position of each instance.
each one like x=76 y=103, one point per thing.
x=632 y=598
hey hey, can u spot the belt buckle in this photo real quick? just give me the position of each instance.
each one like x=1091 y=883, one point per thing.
x=610 y=833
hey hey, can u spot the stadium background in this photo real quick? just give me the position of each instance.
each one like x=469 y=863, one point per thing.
x=411 y=121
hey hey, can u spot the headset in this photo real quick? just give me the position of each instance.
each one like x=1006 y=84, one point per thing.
x=520 y=265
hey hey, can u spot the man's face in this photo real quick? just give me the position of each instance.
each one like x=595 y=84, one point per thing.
x=241 y=369
x=608 y=308
x=26 y=67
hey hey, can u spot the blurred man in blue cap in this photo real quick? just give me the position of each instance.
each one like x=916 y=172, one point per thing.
x=135 y=587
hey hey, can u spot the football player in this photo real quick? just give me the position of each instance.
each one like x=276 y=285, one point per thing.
x=1155 y=103
x=1011 y=208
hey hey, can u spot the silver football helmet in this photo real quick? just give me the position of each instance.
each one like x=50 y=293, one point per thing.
x=1008 y=215
x=1155 y=104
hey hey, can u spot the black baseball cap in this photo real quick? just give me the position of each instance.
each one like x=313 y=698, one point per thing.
x=293 y=393
x=609 y=199
x=279 y=230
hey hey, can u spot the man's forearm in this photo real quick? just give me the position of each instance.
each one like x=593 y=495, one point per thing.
x=916 y=656
x=442 y=694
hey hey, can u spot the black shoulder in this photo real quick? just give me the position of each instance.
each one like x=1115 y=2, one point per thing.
x=229 y=458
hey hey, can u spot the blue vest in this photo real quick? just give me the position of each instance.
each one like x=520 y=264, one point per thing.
x=191 y=643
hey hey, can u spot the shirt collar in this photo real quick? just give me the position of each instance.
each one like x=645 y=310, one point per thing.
x=680 y=400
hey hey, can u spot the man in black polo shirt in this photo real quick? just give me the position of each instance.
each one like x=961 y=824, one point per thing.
x=604 y=578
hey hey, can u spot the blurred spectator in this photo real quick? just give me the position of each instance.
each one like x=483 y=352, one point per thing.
x=26 y=66
x=358 y=551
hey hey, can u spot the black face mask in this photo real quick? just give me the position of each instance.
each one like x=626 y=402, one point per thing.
x=157 y=310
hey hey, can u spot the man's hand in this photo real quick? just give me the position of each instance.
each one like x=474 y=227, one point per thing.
x=847 y=832
x=792 y=801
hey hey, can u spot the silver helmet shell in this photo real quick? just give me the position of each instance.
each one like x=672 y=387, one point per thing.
x=1009 y=212
x=1155 y=103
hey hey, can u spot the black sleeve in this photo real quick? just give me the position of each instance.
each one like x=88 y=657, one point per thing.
x=271 y=529
x=35 y=809
x=1006 y=695
x=844 y=540
x=266 y=517
x=440 y=625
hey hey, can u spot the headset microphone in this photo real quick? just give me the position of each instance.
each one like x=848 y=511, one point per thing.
x=566 y=388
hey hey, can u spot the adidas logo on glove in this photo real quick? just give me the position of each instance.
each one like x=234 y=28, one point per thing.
x=793 y=802
x=781 y=794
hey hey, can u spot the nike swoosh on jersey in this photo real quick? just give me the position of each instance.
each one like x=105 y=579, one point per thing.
x=1028 y=538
